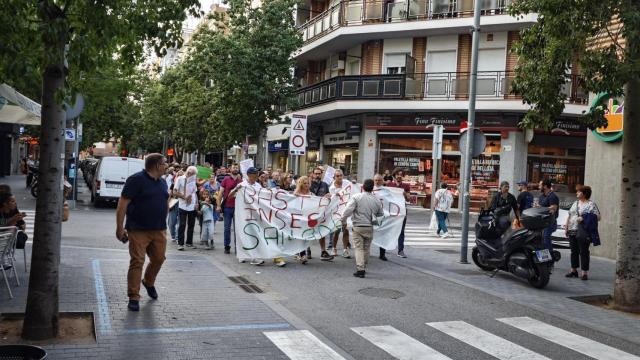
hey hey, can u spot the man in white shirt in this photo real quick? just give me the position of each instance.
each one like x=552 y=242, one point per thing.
x=185 y=190
x=443 y=201
x=378 y=182
x=252 y=181
x=338 y=184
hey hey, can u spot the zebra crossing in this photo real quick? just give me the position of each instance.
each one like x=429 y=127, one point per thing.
x=421 y=236
x=303 y=345
x=30 y=220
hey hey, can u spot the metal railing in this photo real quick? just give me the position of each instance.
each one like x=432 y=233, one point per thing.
x=362 y=12
x=422 y=86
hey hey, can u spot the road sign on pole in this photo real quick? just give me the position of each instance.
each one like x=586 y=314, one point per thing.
x=298 y=137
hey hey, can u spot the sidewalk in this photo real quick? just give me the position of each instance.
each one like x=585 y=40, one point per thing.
x=555 y=299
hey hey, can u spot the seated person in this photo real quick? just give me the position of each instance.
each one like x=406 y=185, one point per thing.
x=502 y=204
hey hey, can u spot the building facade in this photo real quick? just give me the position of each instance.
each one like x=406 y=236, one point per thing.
x=374 y=78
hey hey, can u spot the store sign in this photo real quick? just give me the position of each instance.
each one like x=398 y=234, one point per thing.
x=448 y=121
x=553 y=168
x=485 y=169
x=566 y=127
x=275 y=146
x=614 y=113
x=298 y=138
x=410 y=163
x=353 y=128
x=340 y=139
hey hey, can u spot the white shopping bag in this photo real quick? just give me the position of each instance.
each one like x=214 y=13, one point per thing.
x=433 y=225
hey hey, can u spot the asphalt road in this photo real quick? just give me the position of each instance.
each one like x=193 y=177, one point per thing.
x=329 y=299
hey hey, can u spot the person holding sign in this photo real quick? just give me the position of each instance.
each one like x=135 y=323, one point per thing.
x=364 y=209
x=378 y=182
x=303 y=189
x=320 y=188
x=337 y=185
x=398 y=175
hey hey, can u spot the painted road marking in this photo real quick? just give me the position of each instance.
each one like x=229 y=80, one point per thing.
x=398 y=344
x=485 y=341
x=103 y=304
x=302 y=345
x=567 y=339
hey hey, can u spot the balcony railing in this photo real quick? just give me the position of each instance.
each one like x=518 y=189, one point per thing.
x=422 y=86
x=362 y=12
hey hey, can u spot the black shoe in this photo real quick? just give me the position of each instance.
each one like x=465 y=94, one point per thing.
x=359 y=273
x=325 y=256
x=151 y=290
x=585 y=277
x=309 y=254
x=383 y=258
x=227 y=249
x=7 y=267
x=571 y=274
x=134 y=305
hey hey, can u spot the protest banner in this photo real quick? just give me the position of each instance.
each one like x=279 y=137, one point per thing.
x=244 y=166
x=272 y=222
x=328 y=175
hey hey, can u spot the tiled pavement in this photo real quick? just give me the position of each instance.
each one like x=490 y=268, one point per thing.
x=200 y=313
x=554 y=299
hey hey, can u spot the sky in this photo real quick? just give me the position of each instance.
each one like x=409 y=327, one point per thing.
x=205 y=5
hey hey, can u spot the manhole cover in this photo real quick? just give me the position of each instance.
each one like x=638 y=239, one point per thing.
x=381 y=293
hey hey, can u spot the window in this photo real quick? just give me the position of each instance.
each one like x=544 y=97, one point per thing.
x=395 y=63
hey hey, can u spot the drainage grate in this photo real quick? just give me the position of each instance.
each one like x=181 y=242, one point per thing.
x=245 y=284
x=448 y=251
x=381 y=293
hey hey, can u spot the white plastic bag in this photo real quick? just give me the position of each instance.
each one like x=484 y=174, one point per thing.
x=433 y=225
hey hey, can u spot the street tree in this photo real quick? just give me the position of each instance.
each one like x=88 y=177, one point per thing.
x=601 y=37
x=62 y=41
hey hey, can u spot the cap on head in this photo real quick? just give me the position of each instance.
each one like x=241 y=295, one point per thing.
x=252 y=170
x=523 y=182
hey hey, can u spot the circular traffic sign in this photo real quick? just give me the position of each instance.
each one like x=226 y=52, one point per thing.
x=297 y=141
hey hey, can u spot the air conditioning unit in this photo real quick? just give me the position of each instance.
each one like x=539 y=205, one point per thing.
x=337 y=65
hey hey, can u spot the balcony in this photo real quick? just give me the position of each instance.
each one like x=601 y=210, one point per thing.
x=492 y=85
x=364 y=12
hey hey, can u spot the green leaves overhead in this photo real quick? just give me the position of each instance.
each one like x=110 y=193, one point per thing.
x=235 y=71
x=582 y=37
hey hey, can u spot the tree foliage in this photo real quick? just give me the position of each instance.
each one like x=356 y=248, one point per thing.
x=234 y=73
x=574 y=33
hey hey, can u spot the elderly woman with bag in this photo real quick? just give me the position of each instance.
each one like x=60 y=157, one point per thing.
x=582 y=230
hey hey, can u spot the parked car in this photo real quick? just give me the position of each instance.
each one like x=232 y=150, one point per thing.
x=88 y=168
x=110 y=175
x=559 y=237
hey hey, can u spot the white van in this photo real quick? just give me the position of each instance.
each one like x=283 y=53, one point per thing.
x=110 y=176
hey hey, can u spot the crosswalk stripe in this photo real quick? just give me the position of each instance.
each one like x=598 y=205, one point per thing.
x=301 y=345
x=485 y=341
x=418 y=244
x=567 y=339
x=398 y=344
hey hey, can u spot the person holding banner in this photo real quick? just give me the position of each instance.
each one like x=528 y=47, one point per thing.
x=337 y=185
x=303 y=189
x=320 y=188
x=227 y=202
x=378 y=182
x=398 y=175
x=364 y=208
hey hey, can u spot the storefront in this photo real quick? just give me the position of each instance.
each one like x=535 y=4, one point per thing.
x=279 y=153
x=341 y=152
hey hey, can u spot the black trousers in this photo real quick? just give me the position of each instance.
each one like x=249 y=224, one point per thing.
x=188 y=222
x=579 y=252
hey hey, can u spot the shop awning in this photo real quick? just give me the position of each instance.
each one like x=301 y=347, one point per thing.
x=16 y=108
x=278 y=132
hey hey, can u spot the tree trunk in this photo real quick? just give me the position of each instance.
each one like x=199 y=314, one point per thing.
x=41 y=315
x=626 y=293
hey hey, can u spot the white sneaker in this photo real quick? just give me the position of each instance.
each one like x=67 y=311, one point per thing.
x=334 y=252
x=242 y=261
x=257 y=262
x=445 y=235
x=346 y=254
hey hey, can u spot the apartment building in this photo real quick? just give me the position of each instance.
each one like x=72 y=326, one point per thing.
x=374 y=78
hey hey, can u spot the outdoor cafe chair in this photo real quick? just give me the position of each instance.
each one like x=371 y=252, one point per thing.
x=8 y=236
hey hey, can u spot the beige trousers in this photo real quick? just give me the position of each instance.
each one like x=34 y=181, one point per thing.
x=152 y=243
x=362 y=237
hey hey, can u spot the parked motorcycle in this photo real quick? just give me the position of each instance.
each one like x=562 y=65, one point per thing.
x=33 y=174
x=518 y=251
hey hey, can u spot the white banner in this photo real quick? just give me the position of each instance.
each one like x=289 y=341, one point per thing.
x=271 y=222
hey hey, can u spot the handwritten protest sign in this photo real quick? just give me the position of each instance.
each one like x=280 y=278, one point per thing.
x=272 y=222
x=328 y=175
x=244 y=166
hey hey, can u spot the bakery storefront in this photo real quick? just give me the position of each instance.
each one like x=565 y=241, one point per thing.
x=405 y=141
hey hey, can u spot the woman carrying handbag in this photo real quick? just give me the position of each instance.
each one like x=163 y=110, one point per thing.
x=582 y=230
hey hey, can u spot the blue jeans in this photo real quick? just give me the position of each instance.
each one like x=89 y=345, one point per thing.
x=173 y=222
x=442 y=221
x=228 y=220
x=546 y=235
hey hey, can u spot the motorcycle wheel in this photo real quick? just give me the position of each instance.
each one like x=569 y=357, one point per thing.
x=541 y=277
x=34 y=190
x=475 y=256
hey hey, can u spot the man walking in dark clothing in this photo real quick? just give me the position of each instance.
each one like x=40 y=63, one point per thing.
x=525 y=198
x=320 y=188
x=549 y=199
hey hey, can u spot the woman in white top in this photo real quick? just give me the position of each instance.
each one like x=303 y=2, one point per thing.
x=580 y=255
x=443 y=201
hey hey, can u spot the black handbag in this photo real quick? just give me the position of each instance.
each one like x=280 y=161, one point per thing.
x=21 y=240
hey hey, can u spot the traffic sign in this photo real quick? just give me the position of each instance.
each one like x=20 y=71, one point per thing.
x=298 y=137
x=479 y=142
